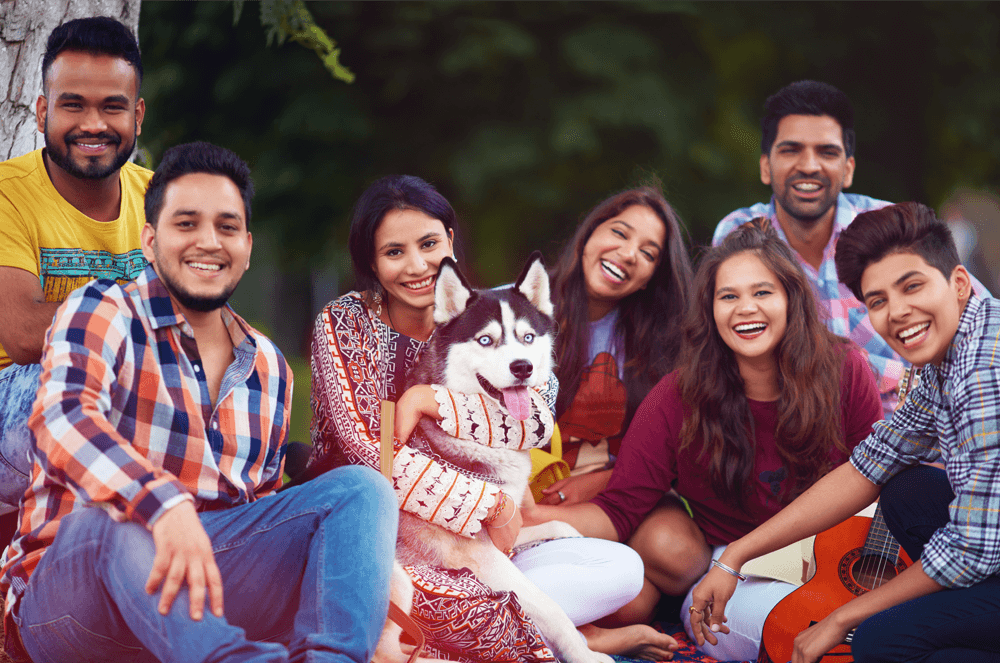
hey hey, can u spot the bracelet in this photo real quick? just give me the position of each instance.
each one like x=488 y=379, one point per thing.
x=512 y=514
x=488 y=521
x=731 y=571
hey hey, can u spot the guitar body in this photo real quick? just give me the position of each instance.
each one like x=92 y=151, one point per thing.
x=846 y=566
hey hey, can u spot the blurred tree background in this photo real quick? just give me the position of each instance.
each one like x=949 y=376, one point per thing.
x=526 y=114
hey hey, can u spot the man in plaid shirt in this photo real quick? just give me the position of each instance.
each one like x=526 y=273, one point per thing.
x=160 y=425
x=902 y=263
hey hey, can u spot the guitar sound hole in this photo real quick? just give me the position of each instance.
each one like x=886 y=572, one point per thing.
x=871 y=571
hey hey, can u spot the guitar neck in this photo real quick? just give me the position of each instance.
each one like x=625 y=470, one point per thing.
x=880 y=540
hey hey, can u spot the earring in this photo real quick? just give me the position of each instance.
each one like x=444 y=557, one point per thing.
x=377 y=300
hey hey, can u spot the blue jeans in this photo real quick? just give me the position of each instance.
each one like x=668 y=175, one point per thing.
x=305 y=575
x=950 y=626
x=18 y=388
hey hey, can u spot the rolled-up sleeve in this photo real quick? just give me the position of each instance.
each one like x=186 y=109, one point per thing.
x=967 y=550
x=77 y=443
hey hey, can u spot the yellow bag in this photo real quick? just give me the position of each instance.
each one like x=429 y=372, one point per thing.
x=547 y=468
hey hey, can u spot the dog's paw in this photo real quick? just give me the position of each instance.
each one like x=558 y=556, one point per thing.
x=554 y=529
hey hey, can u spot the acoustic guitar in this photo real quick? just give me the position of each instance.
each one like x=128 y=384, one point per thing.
x=852 y=558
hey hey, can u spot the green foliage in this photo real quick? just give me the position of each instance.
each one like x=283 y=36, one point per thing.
x=286 y=19
x=526 y=114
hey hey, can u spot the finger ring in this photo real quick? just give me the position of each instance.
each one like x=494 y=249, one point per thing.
x=693 y=610
x=562 y=496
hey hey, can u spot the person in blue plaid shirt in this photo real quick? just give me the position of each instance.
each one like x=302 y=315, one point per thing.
x=902 y=263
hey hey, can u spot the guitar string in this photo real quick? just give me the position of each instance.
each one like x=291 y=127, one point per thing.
x=887 y=559
x=877 y=556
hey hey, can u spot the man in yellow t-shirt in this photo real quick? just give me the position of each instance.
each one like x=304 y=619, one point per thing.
x=69 y=213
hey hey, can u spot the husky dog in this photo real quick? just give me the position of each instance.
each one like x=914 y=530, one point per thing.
x=497 y=343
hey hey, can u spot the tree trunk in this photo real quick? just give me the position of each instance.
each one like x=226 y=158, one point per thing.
x=24 y=28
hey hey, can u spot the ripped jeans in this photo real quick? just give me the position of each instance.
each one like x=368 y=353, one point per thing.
x=18 y=388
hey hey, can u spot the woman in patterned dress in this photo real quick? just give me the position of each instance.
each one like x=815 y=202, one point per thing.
x=364 y=344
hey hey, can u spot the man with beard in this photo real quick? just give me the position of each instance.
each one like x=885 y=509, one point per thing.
x=807 y=158
x=165 y=410
x=69 y=213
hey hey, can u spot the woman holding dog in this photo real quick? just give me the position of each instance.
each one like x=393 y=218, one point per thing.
x=364 y=345
x=764 y=401
x=621 y=289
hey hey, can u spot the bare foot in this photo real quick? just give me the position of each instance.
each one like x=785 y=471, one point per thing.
x=636 y=641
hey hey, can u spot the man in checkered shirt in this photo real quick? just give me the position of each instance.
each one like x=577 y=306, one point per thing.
x=902 y=263
x=161 y=424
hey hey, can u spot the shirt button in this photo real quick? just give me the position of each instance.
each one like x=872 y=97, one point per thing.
x=215 y=425
x=197 y=368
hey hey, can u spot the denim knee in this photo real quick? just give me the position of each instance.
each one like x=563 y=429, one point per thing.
x=362 y=482
x=18 y=388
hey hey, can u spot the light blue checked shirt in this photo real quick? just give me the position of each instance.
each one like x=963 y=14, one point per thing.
x=953 y=416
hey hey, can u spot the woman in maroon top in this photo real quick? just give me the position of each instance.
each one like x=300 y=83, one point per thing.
x=764 y=401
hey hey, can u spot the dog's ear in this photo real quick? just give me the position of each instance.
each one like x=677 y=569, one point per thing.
x=533 y=283
x=452 y=292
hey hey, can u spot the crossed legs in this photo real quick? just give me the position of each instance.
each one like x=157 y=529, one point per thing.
x=305 y=575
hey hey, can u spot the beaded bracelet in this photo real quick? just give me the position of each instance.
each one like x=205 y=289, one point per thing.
x=731 y=571
x=512 y=514
x=488 y=521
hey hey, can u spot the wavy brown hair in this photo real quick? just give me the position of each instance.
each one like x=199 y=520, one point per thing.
x=809 y=359
x=648 y=319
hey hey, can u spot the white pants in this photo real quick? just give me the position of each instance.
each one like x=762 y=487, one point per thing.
x=588 y=578
x=745 y=613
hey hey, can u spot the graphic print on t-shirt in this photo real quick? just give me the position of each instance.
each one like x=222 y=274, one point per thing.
x=596 y=414
x=62 y=271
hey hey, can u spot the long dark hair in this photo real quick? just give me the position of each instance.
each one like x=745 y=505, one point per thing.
x=648 y=319
x=809 y=361
x=393 y=192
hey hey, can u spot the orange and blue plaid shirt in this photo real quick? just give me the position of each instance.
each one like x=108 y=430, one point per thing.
x=124 y=421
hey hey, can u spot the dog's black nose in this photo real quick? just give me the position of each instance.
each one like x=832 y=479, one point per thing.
x=521 y=369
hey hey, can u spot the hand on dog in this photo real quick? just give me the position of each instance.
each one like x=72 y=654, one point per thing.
x=416 y=402
x=576 y=489
x=504 y=537
x=184 y=554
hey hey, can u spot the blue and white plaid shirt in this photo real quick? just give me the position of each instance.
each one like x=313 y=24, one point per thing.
x=953 y=416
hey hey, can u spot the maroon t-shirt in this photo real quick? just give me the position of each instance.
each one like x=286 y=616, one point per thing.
x=650 y=464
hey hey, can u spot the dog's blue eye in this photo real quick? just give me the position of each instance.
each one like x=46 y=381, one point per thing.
x=485 y=341
x=528 y=338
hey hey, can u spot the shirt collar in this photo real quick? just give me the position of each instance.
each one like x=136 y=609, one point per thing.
x=966 y=324
x=159 y=309
x=841 y=219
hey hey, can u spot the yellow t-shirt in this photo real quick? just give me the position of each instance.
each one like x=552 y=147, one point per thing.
x=42 y=233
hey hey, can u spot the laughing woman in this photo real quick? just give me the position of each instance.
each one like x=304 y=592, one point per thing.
x=363 y=346
x=621 y=289
x=764 y=401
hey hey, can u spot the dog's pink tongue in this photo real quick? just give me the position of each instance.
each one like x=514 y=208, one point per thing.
x=517 y=401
